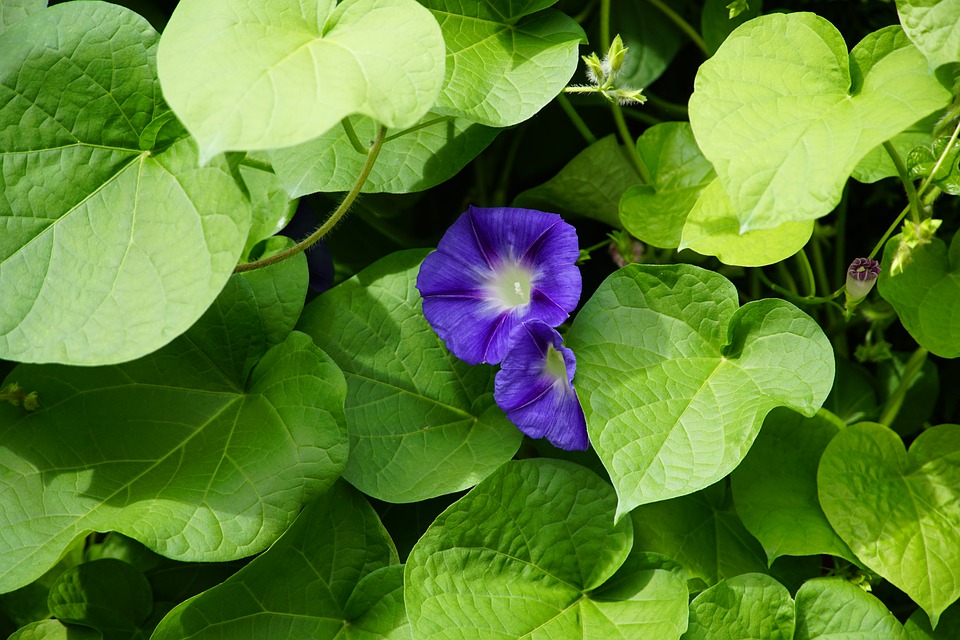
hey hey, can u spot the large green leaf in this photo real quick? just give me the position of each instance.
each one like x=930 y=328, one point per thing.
x=757 y=606
x=934 y=26
x=702 y=532
x=832 y=608
x=775 y=487
x=752 y=605
x=588 y=186
x=112 y=240
x=413 y=161
x=926 y=293
x=656 y=213
x=785 y=114
x=422 y=423
x=505 y=61
x=193 y=450
x=108 y=595
x=676 y=379
x=258 y=74
x=526 y=554
x=333 y=574
x=899 y=511
x=712 y=229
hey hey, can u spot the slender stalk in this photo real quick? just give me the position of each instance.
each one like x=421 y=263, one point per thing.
x=806 y=273
x=889 y=232
x=416 y=127
x=629 y=143
x=642 y=116
x=506 y=169
x=912 y=195
x=352 y=136
x=913 y=367
x=665 y=105
x=575 y=118
x=793 y=297
x=683 y=25
x=322 y=230
x=604 y=25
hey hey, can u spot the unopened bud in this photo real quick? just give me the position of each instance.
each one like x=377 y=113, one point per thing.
x=861 y=276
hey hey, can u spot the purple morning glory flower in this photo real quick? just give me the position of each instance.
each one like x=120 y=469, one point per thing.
x=535 y=387
x=494 y=269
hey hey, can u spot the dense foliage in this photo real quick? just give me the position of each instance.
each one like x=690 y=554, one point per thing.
x=226 y=413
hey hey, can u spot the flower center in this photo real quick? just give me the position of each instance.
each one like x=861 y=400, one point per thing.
x=510 y=287
x=555 y=366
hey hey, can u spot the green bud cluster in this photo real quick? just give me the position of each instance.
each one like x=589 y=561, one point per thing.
x=602 y=74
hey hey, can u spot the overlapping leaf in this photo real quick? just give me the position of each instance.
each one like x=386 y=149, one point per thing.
x=775 y=487
x=112 y=240
x=657 y=212
x=899 y=511
x=528 y=553
x=757 y=606
x=422 y=423
x=588 y=186
x=504 y=61
x=253 y=74
x=333 y=574
x=701 y=532
x=412 y=161
x=926 y=293
x=675 y=379
x=203 y=451
x=934 y=26
x=785 y=114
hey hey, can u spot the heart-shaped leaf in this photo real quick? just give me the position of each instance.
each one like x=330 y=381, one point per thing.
x=118 y=241
x=422 y=422
x=775 y=487
x=656 y=212
x=413 y=161
x=899 y=511
x=926 y=293
x=333 y=574
x=934 y=26
x=702 y=532
x=314 y=64
x=785 y=114
x=588 y=186
x=712 y=229
x=505 y=61
x=752 y=605
x=674 y=407
x=527 y=553
x=193 y=450
x=757 y=606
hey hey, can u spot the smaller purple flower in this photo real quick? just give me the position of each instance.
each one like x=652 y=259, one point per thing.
x=861 y=276
x=494 y=269
x=535 y=387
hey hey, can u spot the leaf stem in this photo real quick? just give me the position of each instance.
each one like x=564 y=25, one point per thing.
x=352 y=136
x=806 y=273
x=797 y=299
x=910 y=370
x=666 y=105
x=322 y=230
x=575 y=118
x=889 y=232
x=683 y=25
x=911 y=189
x=416 y=127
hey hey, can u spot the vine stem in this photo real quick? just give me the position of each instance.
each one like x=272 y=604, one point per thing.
x=575 y=118
x=683 y=24
x=910 y=370
x=331 y=222
x=912 y=197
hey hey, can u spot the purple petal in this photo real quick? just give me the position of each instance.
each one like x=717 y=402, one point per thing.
x=541 y=404
x=455 y=280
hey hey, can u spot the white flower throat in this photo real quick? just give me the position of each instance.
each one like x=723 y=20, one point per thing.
x=510 y=286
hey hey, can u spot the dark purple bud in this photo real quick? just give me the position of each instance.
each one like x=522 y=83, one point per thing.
x=861 y=276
